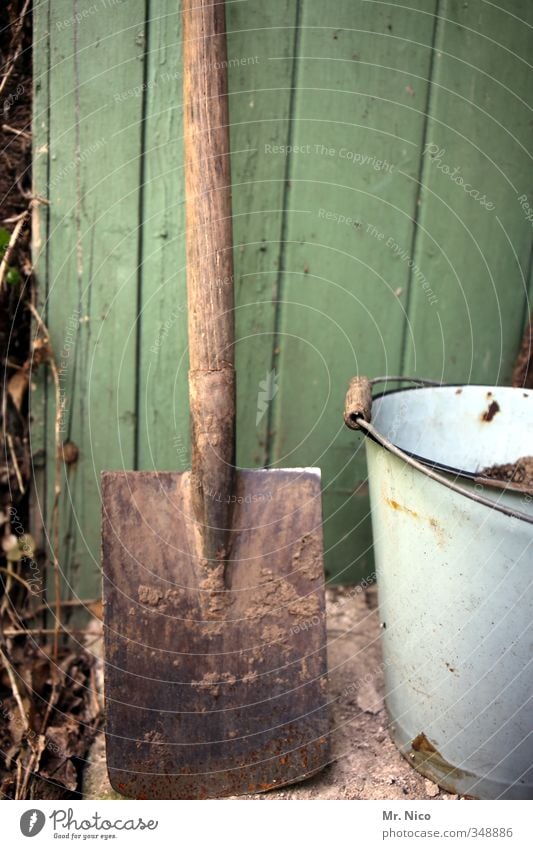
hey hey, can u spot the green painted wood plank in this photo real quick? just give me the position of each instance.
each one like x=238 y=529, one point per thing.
x=163 y=437
x=357 y=131
x=261 y=54
x=259 y=109
x=474 y=241
x=40 y=165
x=96 y=56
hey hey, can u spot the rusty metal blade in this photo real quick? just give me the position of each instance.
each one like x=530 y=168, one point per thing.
x=215 y=679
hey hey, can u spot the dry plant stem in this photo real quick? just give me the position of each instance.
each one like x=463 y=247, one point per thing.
x=32 y=764
x=57 y=478
x=35 y=760
x=15 y=463
x=14 y=686
x=11 y=245
x=19 y=779
x=74 y=602
x=34 y=200
x=37 y=750
x=13 y=130
x=4 y=606
x=17 y=40
x=38 y=632
x=7 y=607
x=96 y=706
x=14 y=575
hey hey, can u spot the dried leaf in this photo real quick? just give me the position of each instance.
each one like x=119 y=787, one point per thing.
x=42 y=351
x=18 y=386
x=61 y=771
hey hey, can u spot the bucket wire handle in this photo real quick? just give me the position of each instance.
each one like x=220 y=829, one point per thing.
x=420 y=381
x=357 y=415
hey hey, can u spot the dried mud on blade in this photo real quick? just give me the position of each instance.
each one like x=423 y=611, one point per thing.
x=215 y=678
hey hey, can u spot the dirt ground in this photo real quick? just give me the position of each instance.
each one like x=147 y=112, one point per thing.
x=366 y=764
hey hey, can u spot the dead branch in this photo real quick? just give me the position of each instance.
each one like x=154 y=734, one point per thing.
x=71 y=602
x=13 y=130
x=14 y=686
x=11 y=246
x=59 y=402
x=14 y=575
x=18 y=41
x=15 y=463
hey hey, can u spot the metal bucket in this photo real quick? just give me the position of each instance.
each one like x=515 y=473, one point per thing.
x=455 y=587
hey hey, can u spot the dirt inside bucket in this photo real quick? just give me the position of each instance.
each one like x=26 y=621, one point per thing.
x=520 y=472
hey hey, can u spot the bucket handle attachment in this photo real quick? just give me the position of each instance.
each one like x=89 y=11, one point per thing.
x=358 y=414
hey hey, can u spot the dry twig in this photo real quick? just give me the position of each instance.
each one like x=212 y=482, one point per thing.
x=11 y=574
x=13 y=130
x=18 y=41
x=57 y=476
x=15 y=463
x=11 y=246
x=42 y=632
x=14 y=686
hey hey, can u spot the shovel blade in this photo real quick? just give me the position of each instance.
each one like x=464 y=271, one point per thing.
x=215 y=678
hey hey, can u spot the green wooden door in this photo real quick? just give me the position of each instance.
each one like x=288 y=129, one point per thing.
x=381 y=173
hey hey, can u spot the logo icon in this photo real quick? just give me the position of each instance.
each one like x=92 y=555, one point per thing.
x=32 y=822
x=267 y=390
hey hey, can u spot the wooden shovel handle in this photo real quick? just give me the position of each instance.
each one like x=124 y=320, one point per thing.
x=208 y=187
x=209 y=266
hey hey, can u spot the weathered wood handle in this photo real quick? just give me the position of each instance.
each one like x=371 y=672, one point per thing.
x=209 y=269
x=358 y=402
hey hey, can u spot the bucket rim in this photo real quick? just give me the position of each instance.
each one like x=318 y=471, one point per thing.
x=435 y=464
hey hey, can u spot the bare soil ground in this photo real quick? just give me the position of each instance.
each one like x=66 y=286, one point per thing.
x=366 y=764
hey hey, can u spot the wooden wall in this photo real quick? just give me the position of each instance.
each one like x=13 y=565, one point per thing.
x=357 y=246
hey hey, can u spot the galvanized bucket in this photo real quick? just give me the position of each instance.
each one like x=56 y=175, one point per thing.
x=455 y=583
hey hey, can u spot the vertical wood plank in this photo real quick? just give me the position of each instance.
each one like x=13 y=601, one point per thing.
x=163 y=439
x=40 y=166
x=95 y=146
x=474 y=241
x=357 y=129
x=260 y=55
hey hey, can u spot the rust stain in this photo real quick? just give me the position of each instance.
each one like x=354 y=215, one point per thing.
x=401 y=508
x=422 y=744
x=435 y=526
x=439 y=531
x=426 y=758
x=489 y=414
